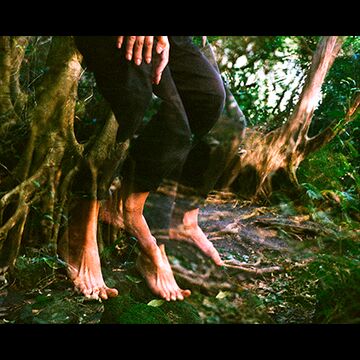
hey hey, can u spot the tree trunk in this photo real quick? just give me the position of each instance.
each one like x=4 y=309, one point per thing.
x=269 y=161
x=40 y=183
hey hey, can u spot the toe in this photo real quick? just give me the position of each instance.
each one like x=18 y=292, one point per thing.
x=103 y=294
x=179 y=295
x=81 y=288
x=217 y=260
x=94 y=295
x=163 y=290
x=163 y=295
x=86 y=292
x=173 y=296
x=111 y=292
x=167 y=295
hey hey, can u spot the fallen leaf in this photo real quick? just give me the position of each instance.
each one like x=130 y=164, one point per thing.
x=222 y=294
x=156 y=302
x=133 y=279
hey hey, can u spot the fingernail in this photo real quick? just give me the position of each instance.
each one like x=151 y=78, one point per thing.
x=128 y=57
x=148 y=60
x=137 y=61
x=159 y=50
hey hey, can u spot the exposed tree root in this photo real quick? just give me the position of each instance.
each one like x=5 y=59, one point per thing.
x=293 y=226
x=203 y=281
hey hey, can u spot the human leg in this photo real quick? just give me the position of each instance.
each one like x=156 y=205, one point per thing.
x=202 y=93
x=118 y=80
x=80 y=251
x=139 y=175
x=163 y=147
x=152 y=261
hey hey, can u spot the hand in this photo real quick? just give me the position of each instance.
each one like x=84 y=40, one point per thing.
x=136 y=46
x=160 y=62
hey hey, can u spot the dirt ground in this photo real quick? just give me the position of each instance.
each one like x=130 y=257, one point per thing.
x=266 y=249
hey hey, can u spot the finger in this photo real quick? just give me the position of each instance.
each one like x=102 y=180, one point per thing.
x=138 y=49
x=148 y=45
x=204 y=40
x=162 y=44
x=159 y=68
x=130 y=47
x=119 y=41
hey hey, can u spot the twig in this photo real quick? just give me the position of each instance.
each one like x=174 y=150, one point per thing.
x=201 y=280
x=264 y=270
x=234 y=262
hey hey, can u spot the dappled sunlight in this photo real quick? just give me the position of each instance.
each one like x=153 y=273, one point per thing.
x=271 y=234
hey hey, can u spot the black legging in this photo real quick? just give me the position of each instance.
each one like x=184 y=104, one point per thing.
x=192 y=98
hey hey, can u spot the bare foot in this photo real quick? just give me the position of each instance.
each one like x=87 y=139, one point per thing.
x=159 y=276
x=79 y=250
x=190 y=231
x=194 y=235
x=88 y=280
x=152 y=261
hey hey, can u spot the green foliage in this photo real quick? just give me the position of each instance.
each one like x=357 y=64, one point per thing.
x=261 y=73
x=333 y=284
x=30 y=271
x=334 y=170
x=324 y=288
x=342 y=83
x=336 y=185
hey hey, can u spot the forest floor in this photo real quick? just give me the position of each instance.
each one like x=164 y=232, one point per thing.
x=282 y=266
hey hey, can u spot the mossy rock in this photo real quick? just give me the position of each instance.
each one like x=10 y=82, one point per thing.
x=125 y=310
x=181 y=312
x=143 y=314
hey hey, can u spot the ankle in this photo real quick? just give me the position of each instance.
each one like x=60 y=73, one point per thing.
x=151 y=252
x=190 y=219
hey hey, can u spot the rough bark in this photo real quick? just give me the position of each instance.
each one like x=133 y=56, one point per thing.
x=269 y=161
x=43 y=176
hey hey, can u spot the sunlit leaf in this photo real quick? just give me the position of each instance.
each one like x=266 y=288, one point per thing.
x=36 y=183
x=156 y=302
x=49 y=217
x=222 y=294
x=133 y=279
x=54 y=263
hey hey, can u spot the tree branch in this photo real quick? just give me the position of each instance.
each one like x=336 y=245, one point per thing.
x=7 y=113
x=298 y=124
x=18 y=46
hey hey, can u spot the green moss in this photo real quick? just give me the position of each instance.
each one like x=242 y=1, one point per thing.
x=126 y=310
x=143 y=314
x=181 y=312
